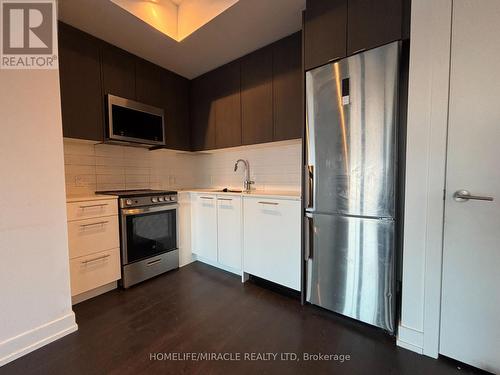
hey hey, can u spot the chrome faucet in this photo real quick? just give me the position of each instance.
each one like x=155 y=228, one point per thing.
x=247 y=183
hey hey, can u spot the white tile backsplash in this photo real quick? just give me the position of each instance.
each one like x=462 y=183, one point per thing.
x=273 y=166
x=91 y=167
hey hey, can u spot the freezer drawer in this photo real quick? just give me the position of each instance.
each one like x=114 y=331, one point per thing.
x=350 y=268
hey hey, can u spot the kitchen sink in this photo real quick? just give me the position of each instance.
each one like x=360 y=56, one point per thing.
x=226 y=190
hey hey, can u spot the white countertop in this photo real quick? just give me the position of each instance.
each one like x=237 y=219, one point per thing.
x=277 y=194
x=88 y=197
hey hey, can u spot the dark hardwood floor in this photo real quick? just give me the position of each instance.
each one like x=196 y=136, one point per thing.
x=202 y=309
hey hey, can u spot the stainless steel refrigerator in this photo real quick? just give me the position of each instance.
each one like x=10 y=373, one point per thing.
x=351 y=151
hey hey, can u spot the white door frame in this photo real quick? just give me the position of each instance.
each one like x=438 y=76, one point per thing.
x=427 y=130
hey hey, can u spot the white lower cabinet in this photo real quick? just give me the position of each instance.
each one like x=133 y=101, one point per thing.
x=257 y=236
x=229 y=231
x=94 y=246
x=216 y=230
x=271 y=245
x=204 y=226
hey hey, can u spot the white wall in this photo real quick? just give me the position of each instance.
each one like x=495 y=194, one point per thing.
x=35 y=303
x=425 y=174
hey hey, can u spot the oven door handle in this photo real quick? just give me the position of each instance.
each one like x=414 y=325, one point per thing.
x=143 y=210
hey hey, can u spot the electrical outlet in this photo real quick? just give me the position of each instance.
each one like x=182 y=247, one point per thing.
x=79 y=181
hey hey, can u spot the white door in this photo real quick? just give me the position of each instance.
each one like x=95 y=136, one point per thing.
x=204 y=227
x=229 y=231
x=470 y=317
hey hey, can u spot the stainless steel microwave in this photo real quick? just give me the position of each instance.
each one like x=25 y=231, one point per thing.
x=135 y=123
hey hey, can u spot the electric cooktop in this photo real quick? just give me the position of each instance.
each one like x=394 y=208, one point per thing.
x=136 y=193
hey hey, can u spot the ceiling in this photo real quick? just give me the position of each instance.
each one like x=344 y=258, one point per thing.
x=243 y=28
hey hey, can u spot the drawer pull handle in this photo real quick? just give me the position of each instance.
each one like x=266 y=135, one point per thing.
x=92 y=224
x=153 y=262
x=94 y=205
x=96 y=259
x=206 y=197
x=225 y=199
x=269 y=203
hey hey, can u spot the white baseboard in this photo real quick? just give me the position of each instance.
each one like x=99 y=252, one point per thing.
x=35 y=338
x=218 y=265
x=409 y=346
x=410 y=339
x=189 y=260
x=93 y=293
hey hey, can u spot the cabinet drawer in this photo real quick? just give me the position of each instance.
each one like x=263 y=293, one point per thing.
x=92 y=271
x=90 y=209
x=92 y=235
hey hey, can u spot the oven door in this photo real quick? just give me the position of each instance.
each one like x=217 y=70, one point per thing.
x=148 y=231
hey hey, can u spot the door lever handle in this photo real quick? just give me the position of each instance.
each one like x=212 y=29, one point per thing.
x=464 y=196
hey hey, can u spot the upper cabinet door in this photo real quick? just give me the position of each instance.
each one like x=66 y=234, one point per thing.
x=80 y=78
x=203 y=112
x=325 y=31
x=257 y=96
x=118 y=72
x=148 y=83
x=373 y=23
x=181 y=129
x=287 y=88
x=228 y=106
x=175 y=102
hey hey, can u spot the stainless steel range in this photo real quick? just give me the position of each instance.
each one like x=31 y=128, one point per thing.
x=148 y=233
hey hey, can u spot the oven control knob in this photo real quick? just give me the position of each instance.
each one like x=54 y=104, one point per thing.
x=167 y=198
x=154 y=199
x=128 y=202
x=172 y=198
x=160 y=199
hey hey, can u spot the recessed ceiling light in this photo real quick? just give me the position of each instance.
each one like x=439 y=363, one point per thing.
x=176 y=18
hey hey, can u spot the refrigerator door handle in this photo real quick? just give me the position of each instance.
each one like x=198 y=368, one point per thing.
x=309 y=236
x=310 y=185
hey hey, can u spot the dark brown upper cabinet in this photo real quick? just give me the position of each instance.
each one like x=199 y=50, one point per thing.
x=257 y=96
x=148 y=83
x=118 y=72
x=227 y=105
x=163 y=89
x=287 y=88
x=203 y=112
x=373 y=23
x=325 y=31
x=80 y=79
x=334 y=29
x=90 y=68
x=175 y=102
